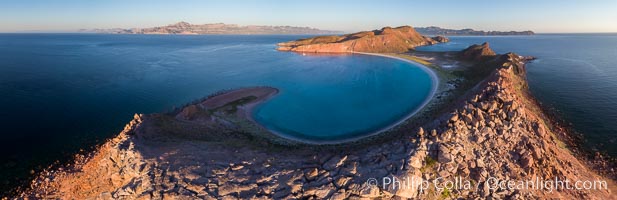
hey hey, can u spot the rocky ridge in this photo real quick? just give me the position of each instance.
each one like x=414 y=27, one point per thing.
x=495 y=130
x=386 y=40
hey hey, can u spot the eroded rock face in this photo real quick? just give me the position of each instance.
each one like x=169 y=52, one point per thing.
x=386 y=40
x=496 y=132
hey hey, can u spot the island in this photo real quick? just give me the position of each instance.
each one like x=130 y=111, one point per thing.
x=482 y=126
x=185 y=28
x=386 y=40
x=434 y=30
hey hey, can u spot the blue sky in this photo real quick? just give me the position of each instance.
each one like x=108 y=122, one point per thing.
x=539 y=16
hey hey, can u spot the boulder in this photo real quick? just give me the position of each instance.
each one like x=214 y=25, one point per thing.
x=444 y=155
x=311 y=174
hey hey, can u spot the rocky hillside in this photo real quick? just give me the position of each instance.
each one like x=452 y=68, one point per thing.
x=477 y=52
x=218 y=28
x=433 y=30
x=386 y=40
x=494 y=132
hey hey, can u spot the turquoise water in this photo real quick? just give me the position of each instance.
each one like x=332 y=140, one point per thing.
x=575 y=74
x=63 y=92
x=349 y=99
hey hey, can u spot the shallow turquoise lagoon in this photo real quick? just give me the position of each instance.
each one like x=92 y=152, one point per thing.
x=331 y=98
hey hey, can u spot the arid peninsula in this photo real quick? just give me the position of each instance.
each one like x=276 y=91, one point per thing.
x=482 y=125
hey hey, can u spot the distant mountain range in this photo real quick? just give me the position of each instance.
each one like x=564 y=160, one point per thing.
x=185 y=28
x=217 y=28
x=433 y=30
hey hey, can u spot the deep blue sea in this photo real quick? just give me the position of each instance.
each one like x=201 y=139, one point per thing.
x=576 y=74
x=63 y=92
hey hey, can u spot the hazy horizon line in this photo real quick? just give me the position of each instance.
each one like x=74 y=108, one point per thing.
x=341 y=32
x=81 y=30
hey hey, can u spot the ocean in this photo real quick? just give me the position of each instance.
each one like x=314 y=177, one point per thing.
x=60 y=93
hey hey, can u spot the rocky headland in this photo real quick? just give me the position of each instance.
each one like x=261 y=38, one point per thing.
x=434 y=30
x=478 y=52
x=484 y=125
x=385 y=40
x=185 y=28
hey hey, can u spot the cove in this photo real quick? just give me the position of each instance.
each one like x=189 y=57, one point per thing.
x=345 y=97
x=83 y=88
